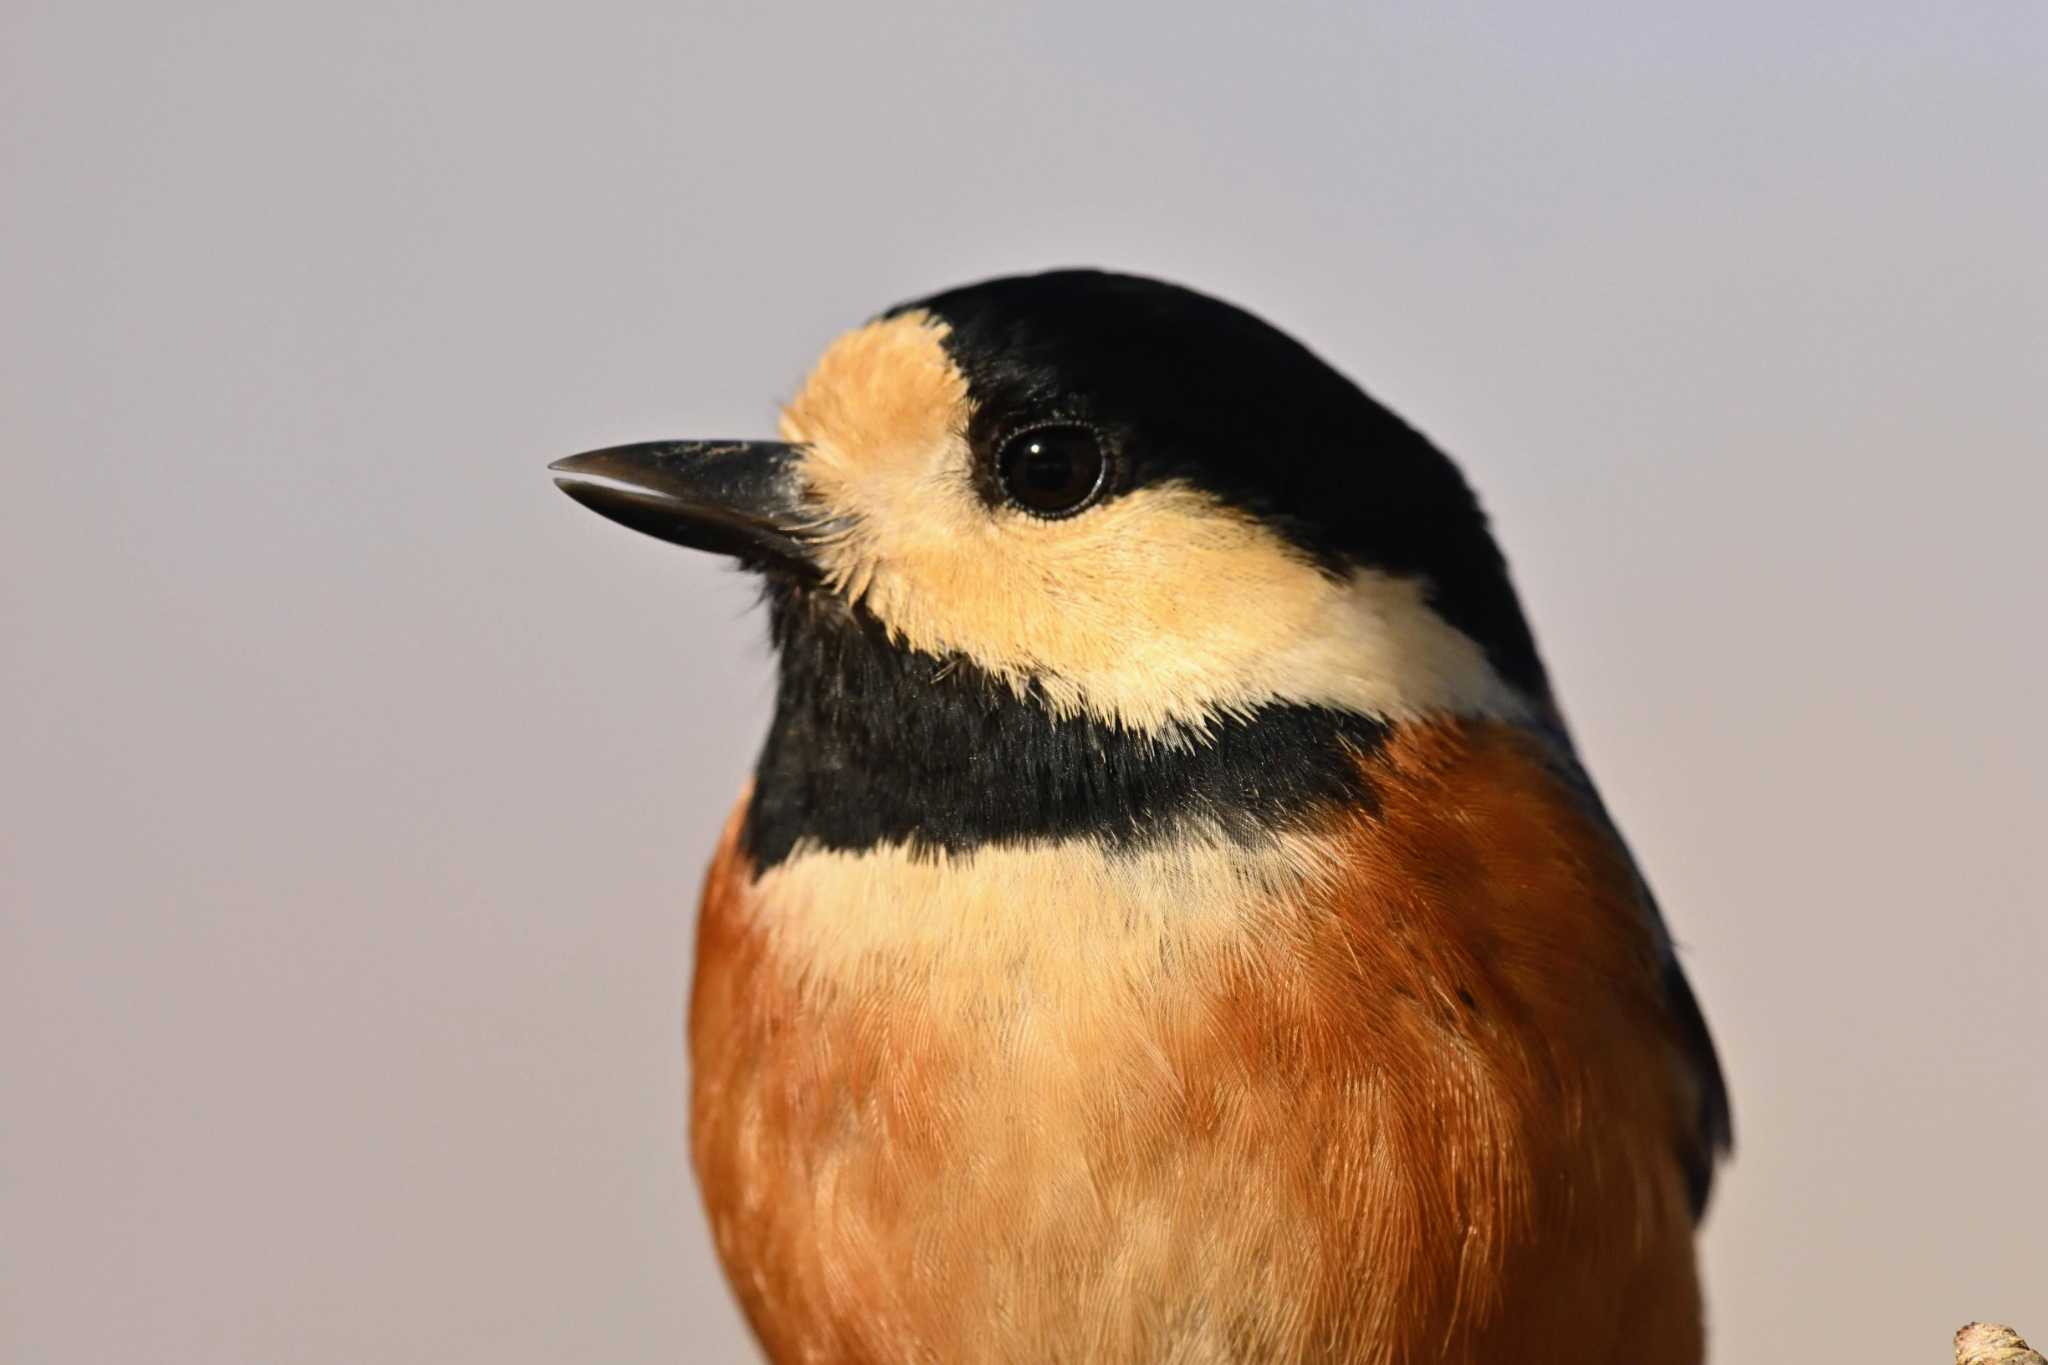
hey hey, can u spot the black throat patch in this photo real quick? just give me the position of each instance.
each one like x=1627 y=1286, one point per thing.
x=875 y=744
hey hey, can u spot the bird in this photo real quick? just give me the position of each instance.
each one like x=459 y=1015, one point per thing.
x=1168 y=920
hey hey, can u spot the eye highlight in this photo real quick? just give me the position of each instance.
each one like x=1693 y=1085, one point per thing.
x=1054 y=470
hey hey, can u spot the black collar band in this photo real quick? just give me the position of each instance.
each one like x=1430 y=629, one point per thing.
x=875 y=744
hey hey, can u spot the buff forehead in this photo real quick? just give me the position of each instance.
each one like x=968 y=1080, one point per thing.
x=1160 y=611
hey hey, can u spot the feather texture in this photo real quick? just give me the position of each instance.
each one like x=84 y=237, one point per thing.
x=1396 y=1086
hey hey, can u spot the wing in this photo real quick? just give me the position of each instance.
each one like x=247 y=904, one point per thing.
x=1713 y=1131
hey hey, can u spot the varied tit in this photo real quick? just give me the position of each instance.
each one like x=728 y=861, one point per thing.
x=1168 y=921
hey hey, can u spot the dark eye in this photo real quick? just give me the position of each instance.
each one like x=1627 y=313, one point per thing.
x=1053 y=471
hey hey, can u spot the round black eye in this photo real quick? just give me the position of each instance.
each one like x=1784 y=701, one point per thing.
x=1052 y=471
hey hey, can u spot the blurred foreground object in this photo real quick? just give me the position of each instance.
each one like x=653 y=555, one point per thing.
x=1986 y=1343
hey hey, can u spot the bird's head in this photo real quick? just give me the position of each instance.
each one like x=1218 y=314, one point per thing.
x=1122 y=501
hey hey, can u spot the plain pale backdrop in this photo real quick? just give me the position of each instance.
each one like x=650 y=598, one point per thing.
x=354 y=785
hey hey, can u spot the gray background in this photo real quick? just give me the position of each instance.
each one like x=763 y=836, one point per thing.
x=356 y=784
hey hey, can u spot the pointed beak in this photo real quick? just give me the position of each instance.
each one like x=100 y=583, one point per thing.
x=739 y=498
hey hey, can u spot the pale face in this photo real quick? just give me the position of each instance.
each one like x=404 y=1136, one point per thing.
x=1159 y=610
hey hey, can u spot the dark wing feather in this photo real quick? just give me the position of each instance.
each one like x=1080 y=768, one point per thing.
x=1712 y=1136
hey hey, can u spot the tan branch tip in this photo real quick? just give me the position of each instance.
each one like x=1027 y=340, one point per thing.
x=1986 y=1343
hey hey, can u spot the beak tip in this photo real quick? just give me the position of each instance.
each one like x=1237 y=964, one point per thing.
x=729 y=497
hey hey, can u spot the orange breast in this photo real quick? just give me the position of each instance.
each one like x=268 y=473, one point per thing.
x=1400 y=1089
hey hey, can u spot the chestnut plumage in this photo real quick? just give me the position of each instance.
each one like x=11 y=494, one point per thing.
x=1168 y=921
